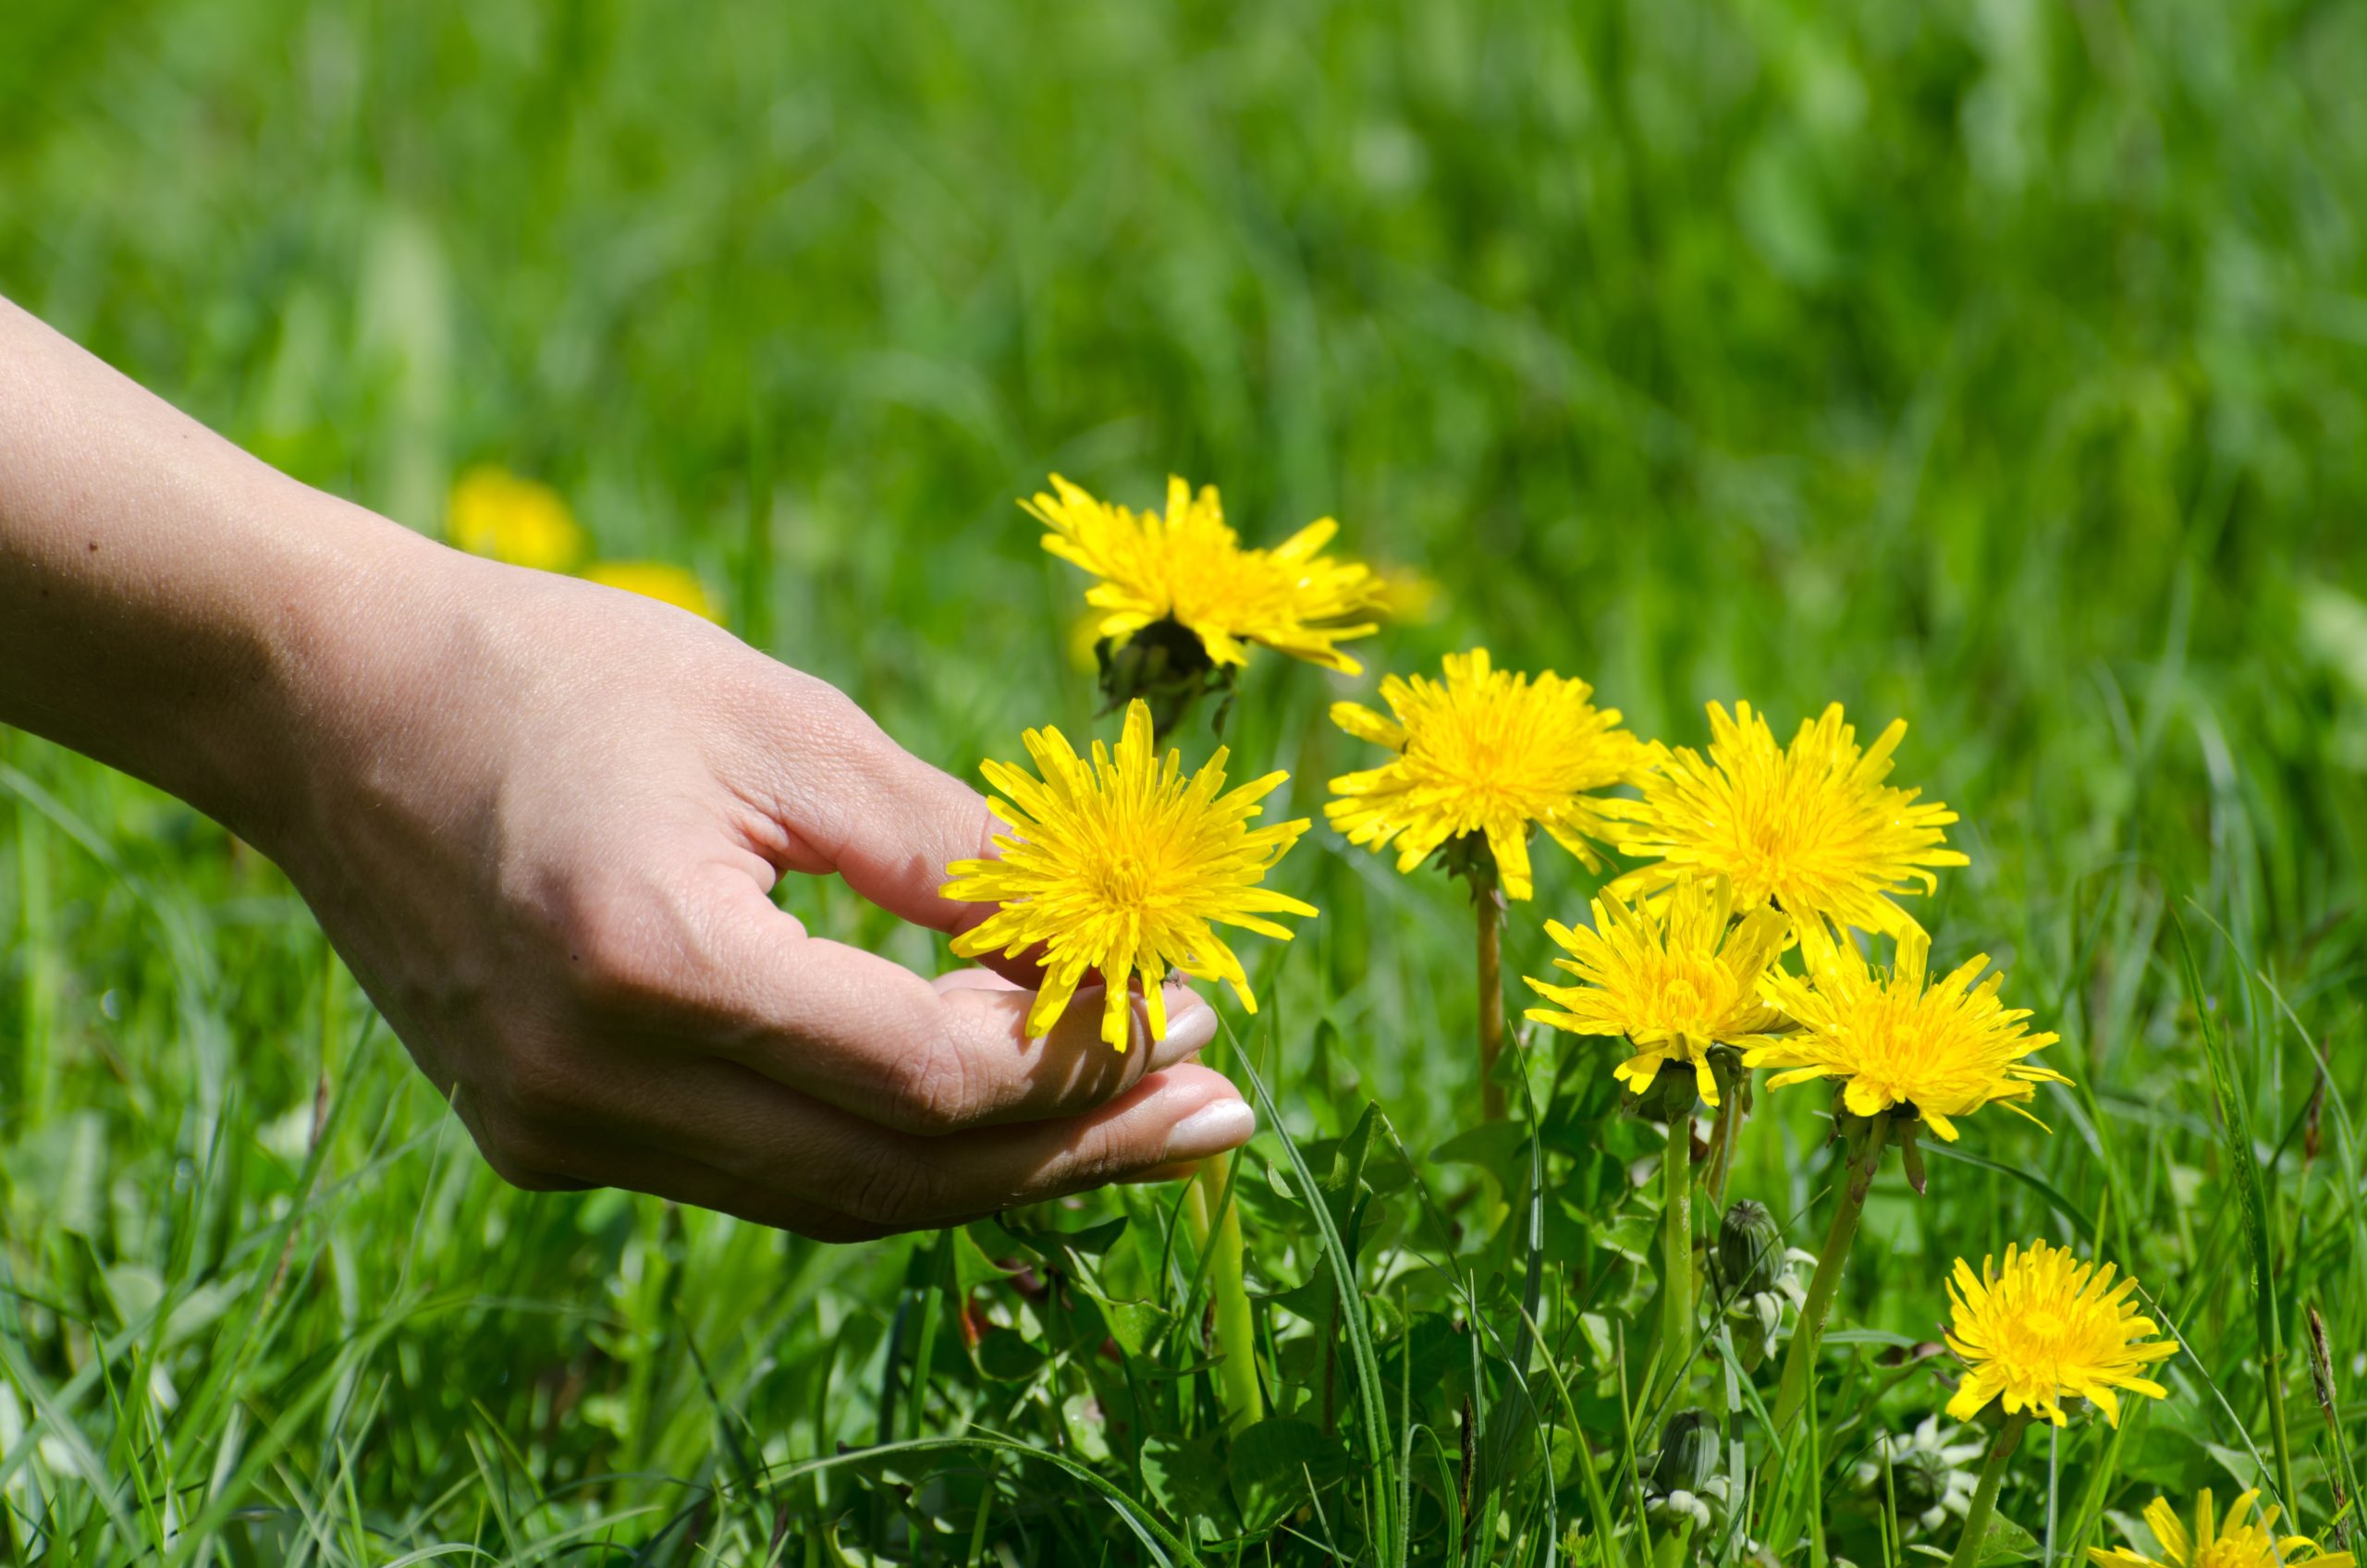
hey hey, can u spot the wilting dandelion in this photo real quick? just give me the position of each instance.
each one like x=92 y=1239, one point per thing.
x=1483 y=759
x=1124 y=866
x=667 y=584
x=494 y=512
x=1905 y=1050
x=2040 y=1329
x=2241 y=1540
x=1811 y=827
x=1180 y=600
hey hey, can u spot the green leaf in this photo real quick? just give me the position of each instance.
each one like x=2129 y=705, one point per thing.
x=1270 y=1461
x=2005 y=1542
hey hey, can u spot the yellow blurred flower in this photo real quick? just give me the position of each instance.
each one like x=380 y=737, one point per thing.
x=1487 y=751
x=1673 y=977
x=1122 y=865
x=493 y=512
x=655 y=580
x=1943 y=1048
x=2046 y=1327
x=1810 y=828
x=1410 y=597
x=2240 y=1542
x=1189 y=568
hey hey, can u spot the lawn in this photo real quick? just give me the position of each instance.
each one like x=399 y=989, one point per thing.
x=1998 y=365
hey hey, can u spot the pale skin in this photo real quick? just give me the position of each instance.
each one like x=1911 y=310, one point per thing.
x=540 y=820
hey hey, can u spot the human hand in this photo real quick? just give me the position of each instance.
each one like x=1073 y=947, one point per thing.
x=540 y=818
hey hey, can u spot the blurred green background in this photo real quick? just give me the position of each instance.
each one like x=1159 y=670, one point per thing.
x=1999 y=363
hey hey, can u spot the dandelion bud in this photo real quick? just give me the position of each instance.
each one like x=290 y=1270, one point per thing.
x=1689 y=1456
x=1750 y=1248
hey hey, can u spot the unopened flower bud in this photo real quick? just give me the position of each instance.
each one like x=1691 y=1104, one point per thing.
x=1750 y=1248
x=1689 y=1456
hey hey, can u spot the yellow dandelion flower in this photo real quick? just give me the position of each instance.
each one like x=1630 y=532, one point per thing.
x=655 y=580
x=1124 y=866
x=1486 y=751
x=1675 y=977
x=2046 y=1327
x=1410 y=597
x=1812 y=828
x=493 y=512
x=1189 y=568
x=1943 y=1049
x=2242 y=1542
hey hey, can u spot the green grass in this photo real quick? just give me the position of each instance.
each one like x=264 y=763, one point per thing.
x=2001 y=365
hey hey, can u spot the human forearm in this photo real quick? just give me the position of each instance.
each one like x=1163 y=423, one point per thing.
x=166 y=599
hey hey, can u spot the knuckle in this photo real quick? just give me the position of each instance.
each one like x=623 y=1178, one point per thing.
x=540 y=1076
x=618 y=951
x=1101 y=1156
x=899 y=1193
x=929 y=1089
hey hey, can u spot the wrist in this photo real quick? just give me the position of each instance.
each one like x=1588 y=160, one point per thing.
x=349 y=614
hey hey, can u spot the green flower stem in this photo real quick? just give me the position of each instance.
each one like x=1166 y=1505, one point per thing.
x=1219 y=1242
x=1676 y=1248
x=1491 y=905
x=1799 y=1358
x=1984 y=1497
x=1674 y=1548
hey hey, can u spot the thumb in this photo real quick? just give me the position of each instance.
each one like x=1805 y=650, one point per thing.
x=885 y=821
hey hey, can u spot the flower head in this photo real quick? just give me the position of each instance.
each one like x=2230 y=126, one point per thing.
x=2046 y=1327
x=1944 y=1048
x=1189 y=568
x=1674 y=978
x=2240 y=1542
x=493 y=512
x=655 y=580
x=1124 y=866
x=1485 y=752
x=1811 y=827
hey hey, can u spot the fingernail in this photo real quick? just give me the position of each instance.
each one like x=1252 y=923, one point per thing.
x=1212 y=1129
x=1191 y=1024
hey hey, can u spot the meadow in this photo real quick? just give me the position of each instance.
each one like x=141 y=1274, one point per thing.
x=1997 y=365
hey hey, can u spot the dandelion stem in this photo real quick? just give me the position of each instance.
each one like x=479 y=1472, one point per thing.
x=1236 y=1328
x=1855 y=1177
x=1491 y=905
x=1676 y=1247
x=1984 y=1497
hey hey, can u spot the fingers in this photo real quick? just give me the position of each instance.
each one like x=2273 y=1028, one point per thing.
x=871 y=1037
x=884 y=820
x=974 y=980
x=789 y=1160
